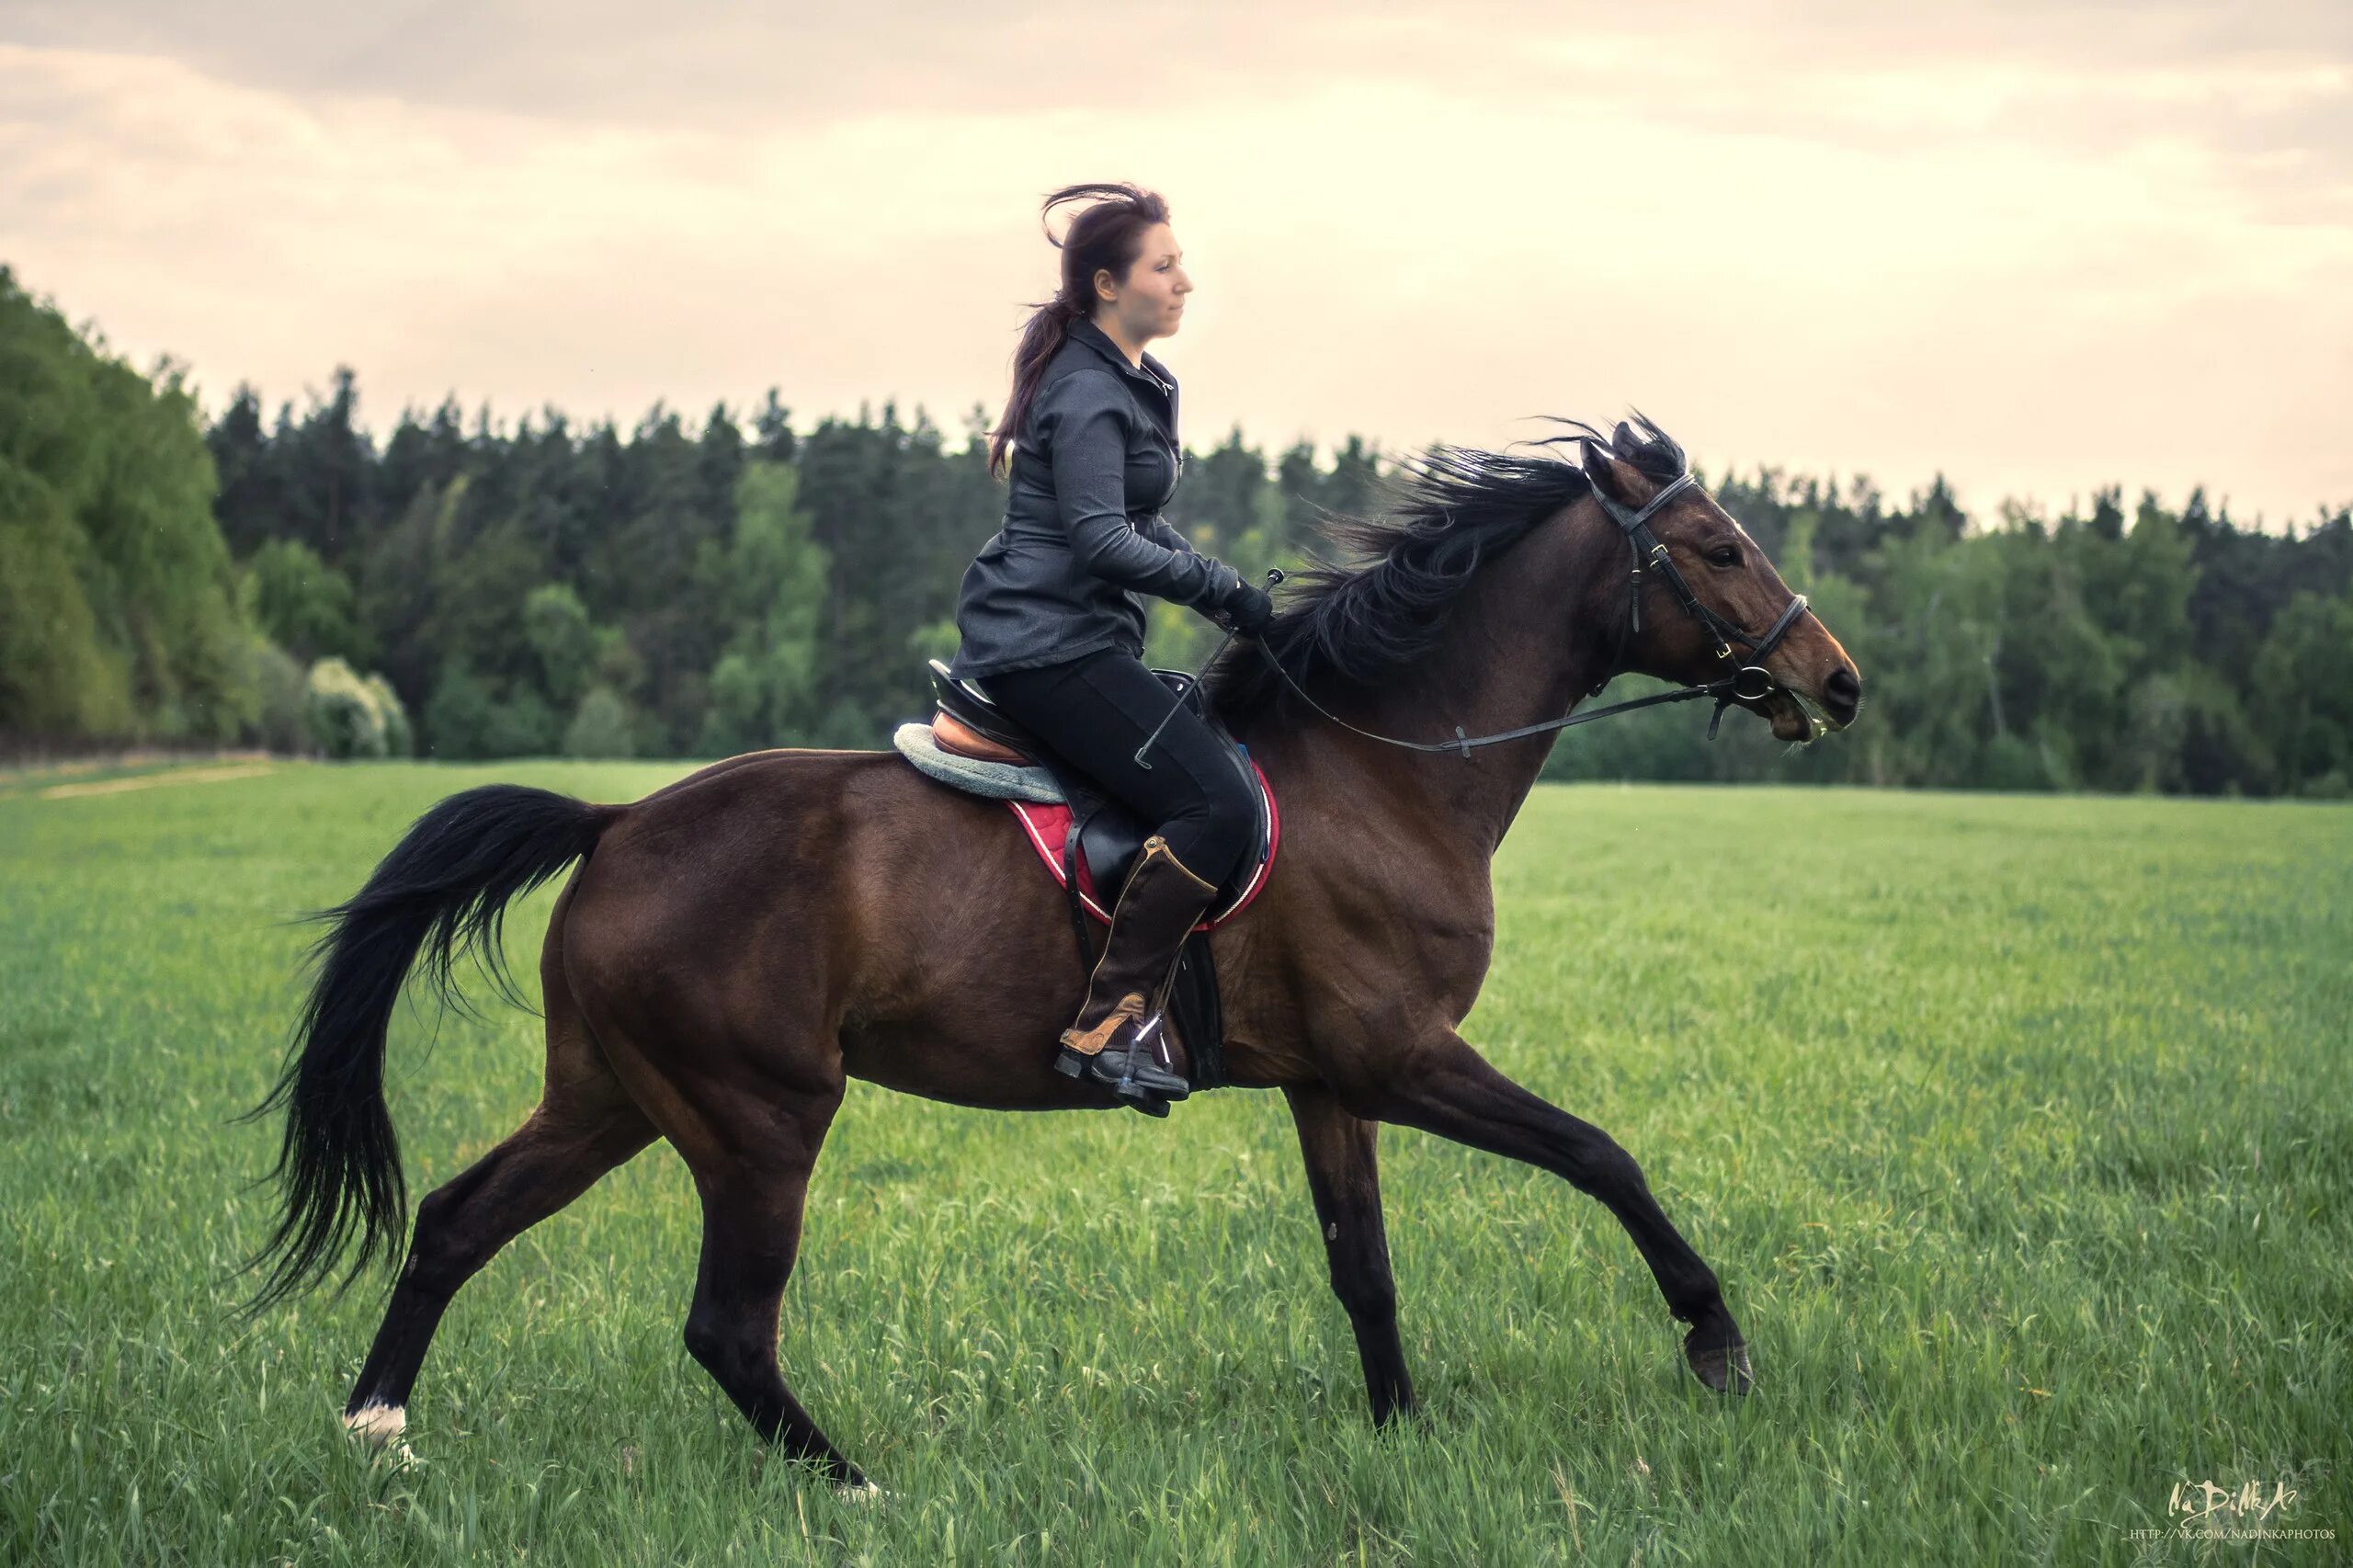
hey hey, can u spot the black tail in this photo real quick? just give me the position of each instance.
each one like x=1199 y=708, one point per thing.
x=445 y=887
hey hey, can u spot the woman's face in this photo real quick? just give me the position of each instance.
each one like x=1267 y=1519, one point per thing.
x=1152 y=302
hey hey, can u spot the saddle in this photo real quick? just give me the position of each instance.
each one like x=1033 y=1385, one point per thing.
x=1088 y=840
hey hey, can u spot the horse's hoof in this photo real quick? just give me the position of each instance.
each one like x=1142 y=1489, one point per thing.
x=861 y=1492
x=1723 y=1368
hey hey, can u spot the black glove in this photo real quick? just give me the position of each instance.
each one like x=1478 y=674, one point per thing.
x=1246 y=606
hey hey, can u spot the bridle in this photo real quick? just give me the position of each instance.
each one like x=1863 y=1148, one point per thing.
x=1751 y=682
x=1650 y=552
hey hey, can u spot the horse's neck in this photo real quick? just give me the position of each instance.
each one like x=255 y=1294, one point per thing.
x=1523 y=641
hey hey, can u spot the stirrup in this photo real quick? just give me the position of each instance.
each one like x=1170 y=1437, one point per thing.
x=1133 y=1095
x=1136 y=1078
x=1144 y=1070
x=1124 y=1081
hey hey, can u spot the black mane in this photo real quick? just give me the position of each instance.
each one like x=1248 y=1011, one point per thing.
x=1358 y=621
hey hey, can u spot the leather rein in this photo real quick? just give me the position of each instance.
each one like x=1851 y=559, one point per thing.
x=1749 y=683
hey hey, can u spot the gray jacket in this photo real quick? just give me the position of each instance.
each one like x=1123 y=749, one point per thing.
x=1083 y=539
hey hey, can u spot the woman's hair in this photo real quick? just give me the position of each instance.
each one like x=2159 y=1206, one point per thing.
x=1105 y=237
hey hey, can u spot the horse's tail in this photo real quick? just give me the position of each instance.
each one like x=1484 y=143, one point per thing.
x=445 y=887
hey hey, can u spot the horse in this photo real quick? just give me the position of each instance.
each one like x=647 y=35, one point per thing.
x=731 y=950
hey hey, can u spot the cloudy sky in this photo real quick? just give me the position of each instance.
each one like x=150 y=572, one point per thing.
x=2041 y=246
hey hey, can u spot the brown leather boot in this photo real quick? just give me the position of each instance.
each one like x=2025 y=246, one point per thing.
x=1159 y=905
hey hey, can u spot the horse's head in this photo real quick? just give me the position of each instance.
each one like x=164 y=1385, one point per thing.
x=1707 y=597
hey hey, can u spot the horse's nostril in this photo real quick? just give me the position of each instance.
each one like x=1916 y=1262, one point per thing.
x=1843 y=692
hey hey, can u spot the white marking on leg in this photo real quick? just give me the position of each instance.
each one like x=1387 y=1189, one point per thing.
x=379 y=1424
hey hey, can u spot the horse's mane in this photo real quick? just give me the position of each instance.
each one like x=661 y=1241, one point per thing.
x=1358 y=621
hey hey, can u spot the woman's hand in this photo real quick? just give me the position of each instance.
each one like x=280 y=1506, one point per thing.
x=1246 y=606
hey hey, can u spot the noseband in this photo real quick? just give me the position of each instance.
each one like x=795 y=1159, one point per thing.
x=1751 y=682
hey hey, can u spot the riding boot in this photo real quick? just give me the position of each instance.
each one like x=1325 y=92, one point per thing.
x=1125 y=996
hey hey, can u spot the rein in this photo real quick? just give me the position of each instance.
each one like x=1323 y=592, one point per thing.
x=1635 y=524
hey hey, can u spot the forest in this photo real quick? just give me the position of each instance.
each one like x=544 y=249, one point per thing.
x=475 y=586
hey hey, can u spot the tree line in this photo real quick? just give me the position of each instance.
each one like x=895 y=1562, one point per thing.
x=469 y=586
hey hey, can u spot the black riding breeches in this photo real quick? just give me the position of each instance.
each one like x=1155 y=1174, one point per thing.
x=1095 y=709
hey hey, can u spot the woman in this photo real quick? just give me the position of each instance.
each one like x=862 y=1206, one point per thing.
x=1050 y=614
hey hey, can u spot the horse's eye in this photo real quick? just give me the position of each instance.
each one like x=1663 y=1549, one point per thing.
x=1724 y=555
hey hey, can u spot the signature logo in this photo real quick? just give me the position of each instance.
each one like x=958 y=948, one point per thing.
x=2208 y=1510
x=2198 y=1502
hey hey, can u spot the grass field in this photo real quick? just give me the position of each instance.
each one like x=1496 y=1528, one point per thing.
x=2018 y=1130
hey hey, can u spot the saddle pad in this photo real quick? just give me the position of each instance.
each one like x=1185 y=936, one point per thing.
x=1047 y=823
x=975 y=775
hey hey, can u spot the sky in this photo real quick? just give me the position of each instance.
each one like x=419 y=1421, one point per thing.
x=2037 y=247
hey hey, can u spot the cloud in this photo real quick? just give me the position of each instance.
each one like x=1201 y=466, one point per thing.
x=747 y=63
x=2027 y=245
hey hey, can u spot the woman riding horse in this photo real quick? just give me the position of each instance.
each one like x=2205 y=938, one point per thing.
x=1052 y=611
x=1489 y=593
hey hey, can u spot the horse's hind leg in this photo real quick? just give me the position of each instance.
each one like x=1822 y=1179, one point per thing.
x=753 y=1193
x=585 y=1125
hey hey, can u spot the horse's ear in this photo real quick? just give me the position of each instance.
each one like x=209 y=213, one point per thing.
x=1611 y=477
x=1624 y=443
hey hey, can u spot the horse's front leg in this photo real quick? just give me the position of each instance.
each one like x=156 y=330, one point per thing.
x=1448 y=1088
x=1344 y=1179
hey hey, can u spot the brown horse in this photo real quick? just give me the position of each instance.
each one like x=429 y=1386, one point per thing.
x=736 y=947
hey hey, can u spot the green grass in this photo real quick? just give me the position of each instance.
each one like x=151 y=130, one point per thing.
x=2018 y=1131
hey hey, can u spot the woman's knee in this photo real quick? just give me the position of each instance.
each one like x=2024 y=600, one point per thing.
x=1223 y=821
x=1233 y=802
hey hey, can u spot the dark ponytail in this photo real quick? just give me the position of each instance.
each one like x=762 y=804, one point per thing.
x=1106 y=237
